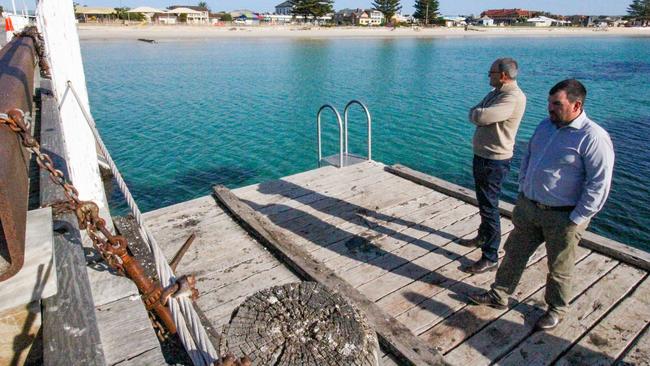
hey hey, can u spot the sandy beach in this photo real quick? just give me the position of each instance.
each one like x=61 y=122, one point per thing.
x=158 y=32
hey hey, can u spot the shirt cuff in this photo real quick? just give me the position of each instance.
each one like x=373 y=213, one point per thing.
x=577 y=218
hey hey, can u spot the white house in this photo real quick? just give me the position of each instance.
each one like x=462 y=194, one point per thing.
x=541 y=21
x=193 y=16
x=485 y=21
x=454 y=21
x=285 y=8
x=148 y=12
x=371 y=17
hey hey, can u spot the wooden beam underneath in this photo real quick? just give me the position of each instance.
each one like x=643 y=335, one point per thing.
x=622 y=252
x=392 y=334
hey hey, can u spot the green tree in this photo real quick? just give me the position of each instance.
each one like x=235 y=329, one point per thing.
x=315 y=8
x=123 y=14
x=387 y=7
x=640 y=9
x=183 y=17
x=203 y=5
x=226 y=17
x=426 y=11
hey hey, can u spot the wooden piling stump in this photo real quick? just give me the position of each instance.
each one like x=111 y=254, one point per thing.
x=300 y=324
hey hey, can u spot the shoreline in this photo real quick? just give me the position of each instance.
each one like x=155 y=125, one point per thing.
x=96 y=32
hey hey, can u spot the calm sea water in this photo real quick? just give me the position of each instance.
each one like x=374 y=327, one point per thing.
x=181 y=116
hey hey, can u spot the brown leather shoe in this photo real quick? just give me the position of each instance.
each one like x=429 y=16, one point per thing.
x=480 y=266
x=548 y=321
x=486 y=298
x=473 y=242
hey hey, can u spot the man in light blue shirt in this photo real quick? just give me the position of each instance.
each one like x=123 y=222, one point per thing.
x=565 y=177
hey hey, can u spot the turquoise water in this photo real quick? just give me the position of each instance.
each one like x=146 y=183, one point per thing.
x=179 y=117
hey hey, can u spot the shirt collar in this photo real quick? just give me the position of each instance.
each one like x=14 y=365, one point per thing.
x=509 y=86
x=579 y=122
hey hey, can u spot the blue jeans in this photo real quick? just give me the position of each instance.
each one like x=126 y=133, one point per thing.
x=488 y=176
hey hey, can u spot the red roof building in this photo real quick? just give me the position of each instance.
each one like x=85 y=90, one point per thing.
x=508 y=16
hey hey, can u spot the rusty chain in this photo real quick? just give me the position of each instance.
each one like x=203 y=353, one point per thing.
x=113 y=248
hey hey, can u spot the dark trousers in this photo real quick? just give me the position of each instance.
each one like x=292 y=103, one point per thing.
x=488 y=176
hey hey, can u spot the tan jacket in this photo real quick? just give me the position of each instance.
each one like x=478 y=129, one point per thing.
x=497 y=120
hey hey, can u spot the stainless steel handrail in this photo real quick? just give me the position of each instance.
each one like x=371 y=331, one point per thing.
x=368 y=120
x=338 y=119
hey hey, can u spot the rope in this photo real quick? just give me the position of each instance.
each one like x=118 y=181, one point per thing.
x=190 y=330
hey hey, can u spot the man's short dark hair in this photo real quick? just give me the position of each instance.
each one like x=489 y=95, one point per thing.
x=573 y=88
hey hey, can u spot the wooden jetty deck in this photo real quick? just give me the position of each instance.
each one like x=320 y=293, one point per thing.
x=393 y=240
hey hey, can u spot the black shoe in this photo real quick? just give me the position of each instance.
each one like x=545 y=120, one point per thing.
x=548 y=321
x=486 y=298
x=473 y=242
x=480 y=266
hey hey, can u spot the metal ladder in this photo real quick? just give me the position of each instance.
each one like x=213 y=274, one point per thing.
x=343 y=158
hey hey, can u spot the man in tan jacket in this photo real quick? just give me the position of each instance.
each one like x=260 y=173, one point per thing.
x=497 y=119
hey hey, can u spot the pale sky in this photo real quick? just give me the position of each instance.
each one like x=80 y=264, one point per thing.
x=447 y=7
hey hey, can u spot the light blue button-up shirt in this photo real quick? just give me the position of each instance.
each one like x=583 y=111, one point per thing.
x=569 y=166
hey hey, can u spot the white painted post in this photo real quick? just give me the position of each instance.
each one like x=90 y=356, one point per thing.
x=57 y=24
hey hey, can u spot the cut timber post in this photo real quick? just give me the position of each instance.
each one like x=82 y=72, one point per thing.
x=393 y=335
x=600 y=244
x=300 y=323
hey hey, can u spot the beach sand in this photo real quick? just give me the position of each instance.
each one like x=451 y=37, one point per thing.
x=175 y=32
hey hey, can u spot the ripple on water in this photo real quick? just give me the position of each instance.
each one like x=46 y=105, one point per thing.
x=179 y=117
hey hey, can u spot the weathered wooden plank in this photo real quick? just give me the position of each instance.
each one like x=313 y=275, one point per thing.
x=18 y=329
x=388 y=249
x=607 y=341
x=416 y=259
x=126 y=330
x=323 y=195
x=392 y=334
x=611 y=248
x=70 y=330
x=388 y=360
x=336 y=198
x=412 y=296
x=542 y=348
x=270 y=193
x=214 y=298
x=431 y=310
x=151 y=357
x=639 y=354
x=340 y=212
x=470 y=319
x=37 y=279
x=500 y=336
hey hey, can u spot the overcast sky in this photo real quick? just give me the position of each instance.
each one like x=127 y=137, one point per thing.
x=447 y=7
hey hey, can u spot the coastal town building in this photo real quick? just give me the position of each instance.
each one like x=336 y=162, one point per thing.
x=454 y=21
x=369 y=17
x=285 y=8
x=544 y=21
x=94 y=14
x=148 y=12
x=345 y=16
x=191 y=14
x=508 y=16
x=485 y=21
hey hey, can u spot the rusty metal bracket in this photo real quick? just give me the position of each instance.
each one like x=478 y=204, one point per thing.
x=181 y=252
x=16 y=91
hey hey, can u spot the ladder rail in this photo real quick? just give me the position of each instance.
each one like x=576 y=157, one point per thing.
x=368 y=121
x=318 y=126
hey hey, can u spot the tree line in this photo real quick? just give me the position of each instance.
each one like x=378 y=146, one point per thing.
x=425 y=10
